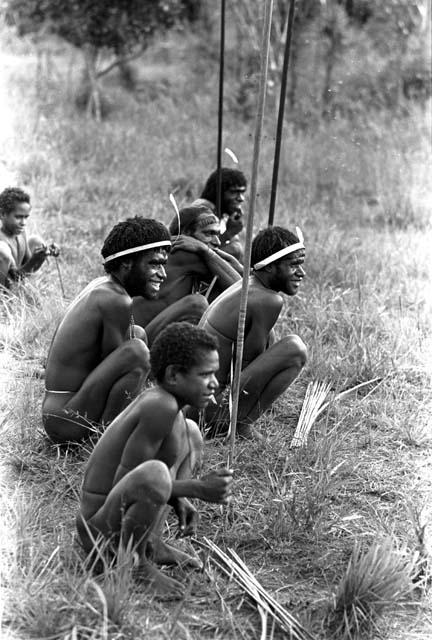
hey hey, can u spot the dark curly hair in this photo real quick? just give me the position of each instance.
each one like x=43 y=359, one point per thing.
x=230 y=178
x=181 y=344
x=130 y=233
x=269 y=241
x=10 y=197
x=188 y=219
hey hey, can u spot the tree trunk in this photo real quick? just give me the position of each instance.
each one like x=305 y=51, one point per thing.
x=94 y=100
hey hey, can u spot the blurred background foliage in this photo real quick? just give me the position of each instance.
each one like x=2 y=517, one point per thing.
x=349 y=57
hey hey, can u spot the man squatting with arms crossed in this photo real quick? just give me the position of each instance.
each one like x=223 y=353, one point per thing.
x=197 y=270
x=233 y=188
x=20 y=254
x=267 y=369
x=98 y=358
x=145 y=459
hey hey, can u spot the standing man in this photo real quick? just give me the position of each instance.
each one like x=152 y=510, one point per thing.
x=98 y=358
x=233 y=188
x=145 y=460
x=20 y=254
x=267 y=369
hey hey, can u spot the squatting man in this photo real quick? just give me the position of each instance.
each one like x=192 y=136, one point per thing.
x=268 y=367
x=99 y=360
x=145 y=460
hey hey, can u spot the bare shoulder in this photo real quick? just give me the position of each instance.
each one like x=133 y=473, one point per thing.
x=261 y=298
x=102 y=295
x=158 y=404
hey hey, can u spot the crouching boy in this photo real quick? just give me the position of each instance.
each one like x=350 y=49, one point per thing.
x=146 y=457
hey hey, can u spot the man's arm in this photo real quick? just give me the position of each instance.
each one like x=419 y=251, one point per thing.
x=236 y=265
x=6 y=262
x=203 y=261
x=35 y=261
x=260 y=319
x=213 y=487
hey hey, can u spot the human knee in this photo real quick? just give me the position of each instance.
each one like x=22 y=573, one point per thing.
x=136 y=331
x=195 y=304
x=153 y=480
x=34 y=242
x=296 y=350
x=137 y=353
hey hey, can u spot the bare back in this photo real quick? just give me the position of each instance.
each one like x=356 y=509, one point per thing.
x=94 y=325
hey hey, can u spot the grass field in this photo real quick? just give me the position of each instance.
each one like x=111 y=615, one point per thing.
x=336 y=531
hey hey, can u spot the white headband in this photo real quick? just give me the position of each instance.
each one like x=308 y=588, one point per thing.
x=282 y=252
x=144 y=247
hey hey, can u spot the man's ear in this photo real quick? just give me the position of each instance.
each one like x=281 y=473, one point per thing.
x=126 y=265
x=171 y=373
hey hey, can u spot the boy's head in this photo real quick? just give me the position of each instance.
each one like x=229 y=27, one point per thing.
x=278 y=255
x=14 y=210
x=233 y=183
x=199 y=222
x=136 y=250
x=181 y=344
x=185 y=358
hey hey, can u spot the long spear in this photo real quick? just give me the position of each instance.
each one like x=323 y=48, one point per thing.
x=265 y=46
x=220 y=110
x=280 y=121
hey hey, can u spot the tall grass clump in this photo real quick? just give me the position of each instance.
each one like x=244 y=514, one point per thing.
x=376 y=578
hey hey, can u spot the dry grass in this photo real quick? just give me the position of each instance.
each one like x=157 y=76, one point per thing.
x=364 y=312
x=378 y=577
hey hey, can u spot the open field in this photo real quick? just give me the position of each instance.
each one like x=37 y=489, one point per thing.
x=362 y=196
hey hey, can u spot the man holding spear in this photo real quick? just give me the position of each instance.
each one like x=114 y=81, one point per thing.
x=267 y=369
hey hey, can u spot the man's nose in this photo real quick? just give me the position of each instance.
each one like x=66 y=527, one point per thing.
x=240 y=197
x=161 y=272
x=214 y=383
x=216 y=241
x=301 y=271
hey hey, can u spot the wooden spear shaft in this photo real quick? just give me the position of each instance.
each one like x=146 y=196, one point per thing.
x=220 y=110
x=279 y=127
x=265 y=47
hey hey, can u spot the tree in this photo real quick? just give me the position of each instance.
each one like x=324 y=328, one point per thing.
x=123 y=27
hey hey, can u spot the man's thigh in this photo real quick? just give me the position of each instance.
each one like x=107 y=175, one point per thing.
x=269 y=363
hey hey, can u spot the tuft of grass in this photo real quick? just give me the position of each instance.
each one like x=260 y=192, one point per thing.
x=376 y=578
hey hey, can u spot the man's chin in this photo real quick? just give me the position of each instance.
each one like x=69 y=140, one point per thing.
x=150 y=295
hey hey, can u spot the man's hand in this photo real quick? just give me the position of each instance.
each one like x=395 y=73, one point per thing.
x=234 y=225
x=187 y=243
x=36 y=260
x=187 y=516
x=216 y=486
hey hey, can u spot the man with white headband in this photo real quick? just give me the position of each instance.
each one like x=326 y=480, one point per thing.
x=267 y=369
x=197 y=272
x=98 y=358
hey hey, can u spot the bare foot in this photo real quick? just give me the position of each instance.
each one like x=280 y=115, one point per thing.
x=249 y=432
x=161 y=585
x=163 y=553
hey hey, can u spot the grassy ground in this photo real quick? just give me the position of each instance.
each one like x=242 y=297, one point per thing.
x=302 y=520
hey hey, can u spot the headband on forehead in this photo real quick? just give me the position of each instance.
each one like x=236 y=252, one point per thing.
x=283 y=252
x=143 y=247
x=206 y=220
